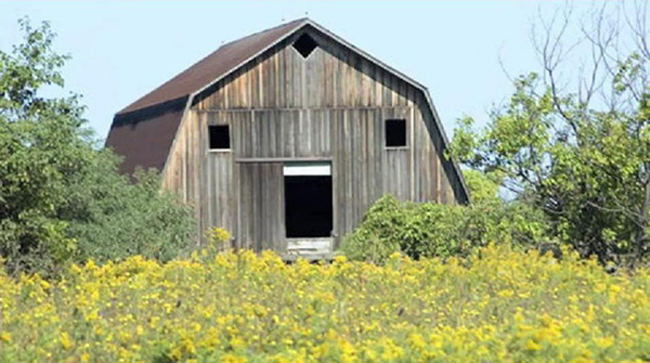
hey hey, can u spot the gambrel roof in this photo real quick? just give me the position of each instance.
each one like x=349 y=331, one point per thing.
x=144 y=131
x=208 y=70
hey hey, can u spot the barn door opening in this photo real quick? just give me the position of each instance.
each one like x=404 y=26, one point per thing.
x=308 y=200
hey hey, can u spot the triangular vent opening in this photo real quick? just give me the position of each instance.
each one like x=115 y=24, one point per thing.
x=305 y=45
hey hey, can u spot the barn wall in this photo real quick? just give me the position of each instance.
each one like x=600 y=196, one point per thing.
x=330 y=106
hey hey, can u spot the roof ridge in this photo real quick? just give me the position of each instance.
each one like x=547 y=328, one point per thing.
x=132 y=106
x=299 y=20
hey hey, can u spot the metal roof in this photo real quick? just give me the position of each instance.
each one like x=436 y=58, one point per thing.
x=220 y=62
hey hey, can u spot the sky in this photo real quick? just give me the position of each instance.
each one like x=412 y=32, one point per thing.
x=122 y=50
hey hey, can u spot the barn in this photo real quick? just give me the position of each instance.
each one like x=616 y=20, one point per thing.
x=286 y=137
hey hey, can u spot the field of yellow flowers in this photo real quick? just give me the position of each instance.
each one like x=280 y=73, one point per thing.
x=497 y=306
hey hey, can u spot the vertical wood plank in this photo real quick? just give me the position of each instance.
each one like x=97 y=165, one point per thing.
x=332 y=104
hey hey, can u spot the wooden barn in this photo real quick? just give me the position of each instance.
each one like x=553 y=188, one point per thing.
x=286 y=137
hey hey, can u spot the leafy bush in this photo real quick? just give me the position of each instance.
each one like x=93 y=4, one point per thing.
x=121 y=218
x=437 y=230
x=62 y=199
x=503 y=306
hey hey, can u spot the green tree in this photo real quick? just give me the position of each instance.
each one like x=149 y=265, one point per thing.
x=581 y=154
x=62 y=199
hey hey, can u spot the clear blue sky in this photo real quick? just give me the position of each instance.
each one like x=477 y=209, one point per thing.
x=122 y=50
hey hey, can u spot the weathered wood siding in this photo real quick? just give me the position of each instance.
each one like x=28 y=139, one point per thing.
x=330 y=106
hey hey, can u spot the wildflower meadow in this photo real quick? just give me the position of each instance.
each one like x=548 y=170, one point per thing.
x=499 y=305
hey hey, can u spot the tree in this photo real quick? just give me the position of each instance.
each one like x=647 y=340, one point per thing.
x=62 y=199
x=578 y=148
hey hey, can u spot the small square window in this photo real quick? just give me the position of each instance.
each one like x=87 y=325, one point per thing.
x=219 y=136
x=395 y=133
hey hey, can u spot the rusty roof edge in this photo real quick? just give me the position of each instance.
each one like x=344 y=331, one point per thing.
x=406 y=78
x=297 y=21
x=299 y=24
x=126 y=110
x=145 y=112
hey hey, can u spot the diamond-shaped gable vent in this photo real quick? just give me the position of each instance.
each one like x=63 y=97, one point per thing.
x=305 y=45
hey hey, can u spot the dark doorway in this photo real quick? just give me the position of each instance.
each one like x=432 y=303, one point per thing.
x=308 y=205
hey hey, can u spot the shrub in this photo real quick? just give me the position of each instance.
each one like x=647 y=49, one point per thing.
x=120 y=219
x=436 y=230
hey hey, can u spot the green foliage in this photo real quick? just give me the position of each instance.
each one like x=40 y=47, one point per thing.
x=60 y=198
x=437 y=230
x=482 y=187
x=586 y=168
x=121 y=218
x=376 y=237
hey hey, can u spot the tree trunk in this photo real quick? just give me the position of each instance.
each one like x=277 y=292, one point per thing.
x=642 y=226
